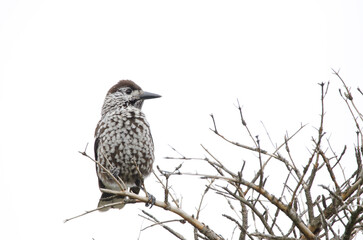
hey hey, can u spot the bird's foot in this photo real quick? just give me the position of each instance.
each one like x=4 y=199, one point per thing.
x=136 y=189
x=151 y=200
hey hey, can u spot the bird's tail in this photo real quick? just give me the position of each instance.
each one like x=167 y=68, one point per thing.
x=115 y=201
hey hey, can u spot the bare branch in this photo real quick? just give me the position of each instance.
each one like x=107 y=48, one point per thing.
x=288 y=211
x=166 y=191
x=253 y=208
x=205 y=230
x=214 y=123
x=272 y=237
x=245 y=124
x=351 y=223
x=202 y=198
x=330 y=170
x=176 y=234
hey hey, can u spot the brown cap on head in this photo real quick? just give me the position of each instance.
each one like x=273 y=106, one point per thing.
x=124 y=83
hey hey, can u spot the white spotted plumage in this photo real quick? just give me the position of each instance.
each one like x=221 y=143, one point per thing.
x=124 y=139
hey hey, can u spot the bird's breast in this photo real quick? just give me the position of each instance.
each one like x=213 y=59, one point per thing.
x=124 y=142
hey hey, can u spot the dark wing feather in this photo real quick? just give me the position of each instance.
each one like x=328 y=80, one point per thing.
x=97 y=142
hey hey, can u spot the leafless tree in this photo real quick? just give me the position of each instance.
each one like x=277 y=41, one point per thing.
x=334 y=212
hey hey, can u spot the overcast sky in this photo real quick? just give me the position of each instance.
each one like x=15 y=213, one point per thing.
x=59 y=58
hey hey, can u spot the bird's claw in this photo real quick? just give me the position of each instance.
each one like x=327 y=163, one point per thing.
x=151 y=200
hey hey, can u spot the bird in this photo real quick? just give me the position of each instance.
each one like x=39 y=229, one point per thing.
x=123 y=148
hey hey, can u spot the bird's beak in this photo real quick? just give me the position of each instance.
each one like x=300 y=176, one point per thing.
x=149 y=95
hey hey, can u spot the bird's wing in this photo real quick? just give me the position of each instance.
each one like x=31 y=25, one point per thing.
x=97 y=142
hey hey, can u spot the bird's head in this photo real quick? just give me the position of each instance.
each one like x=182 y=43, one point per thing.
x=126 y=93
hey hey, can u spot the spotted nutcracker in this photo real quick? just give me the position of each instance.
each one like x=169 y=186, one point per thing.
x=123 y=142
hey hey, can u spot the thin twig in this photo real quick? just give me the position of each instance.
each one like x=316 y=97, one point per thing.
x=157 y=222
x=118 y=181
x=202 y=198
x=166 y=191
x=214 y=123
x=124 y=201
x=330 y=170
x=238 y=224
x=245 y=124
x=253 y=208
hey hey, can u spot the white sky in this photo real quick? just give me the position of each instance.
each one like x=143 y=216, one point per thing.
x=59 y=58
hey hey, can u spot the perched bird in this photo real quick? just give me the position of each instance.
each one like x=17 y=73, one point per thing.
x=123 y=142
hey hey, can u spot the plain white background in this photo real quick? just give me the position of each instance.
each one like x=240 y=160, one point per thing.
x=59 y=58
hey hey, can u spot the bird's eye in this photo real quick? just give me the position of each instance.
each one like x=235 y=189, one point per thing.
x=128 y=91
